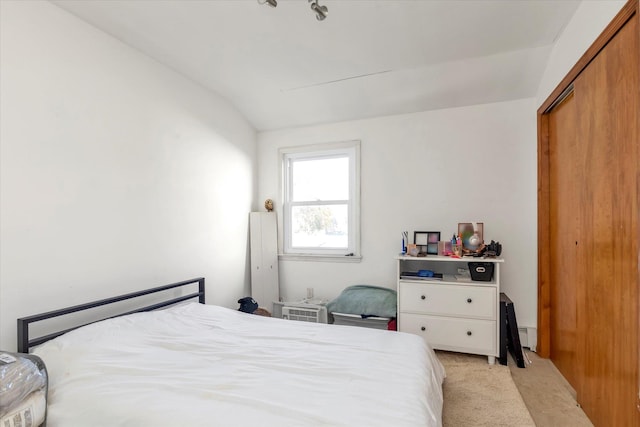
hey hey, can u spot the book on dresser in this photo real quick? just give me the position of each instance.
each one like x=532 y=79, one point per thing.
x=415 y=275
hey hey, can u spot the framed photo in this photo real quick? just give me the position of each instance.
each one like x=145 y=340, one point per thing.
x=427 y=242
x=467 y=229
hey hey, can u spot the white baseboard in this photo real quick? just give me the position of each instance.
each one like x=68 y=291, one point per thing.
x=528 y=337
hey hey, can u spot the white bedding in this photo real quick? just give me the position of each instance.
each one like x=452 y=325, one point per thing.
x=203 y=365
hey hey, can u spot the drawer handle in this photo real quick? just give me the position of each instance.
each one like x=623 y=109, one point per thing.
x=423 y=297
x=469 y=300
x=423 y=328
x=469 y=333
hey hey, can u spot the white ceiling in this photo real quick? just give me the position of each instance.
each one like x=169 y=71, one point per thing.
x=282 y=68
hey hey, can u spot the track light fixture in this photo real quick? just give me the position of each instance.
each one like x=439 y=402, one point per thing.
x=272 y=3
x=320 y=11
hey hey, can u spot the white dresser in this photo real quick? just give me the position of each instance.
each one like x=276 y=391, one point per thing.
x=454 y=313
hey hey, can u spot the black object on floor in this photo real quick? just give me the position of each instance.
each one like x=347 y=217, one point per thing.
x=503 y=330
x=509 y=337
x=247 y=305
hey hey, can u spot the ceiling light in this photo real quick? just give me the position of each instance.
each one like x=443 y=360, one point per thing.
x=272 y=3
x=321 y=11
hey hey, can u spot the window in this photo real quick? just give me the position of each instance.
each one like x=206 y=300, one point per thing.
x=321 y=189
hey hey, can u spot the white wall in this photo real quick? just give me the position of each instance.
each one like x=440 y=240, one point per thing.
x=116 y=172
x=417 y=174
x=427 y=172
x=587 y=23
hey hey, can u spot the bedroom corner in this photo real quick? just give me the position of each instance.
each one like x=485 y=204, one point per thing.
x=117 y=171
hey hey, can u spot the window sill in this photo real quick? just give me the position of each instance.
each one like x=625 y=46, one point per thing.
x=319 y=258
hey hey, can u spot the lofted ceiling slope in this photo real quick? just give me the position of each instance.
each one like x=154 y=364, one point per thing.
x=282 y=68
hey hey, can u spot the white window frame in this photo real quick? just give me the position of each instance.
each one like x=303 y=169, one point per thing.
x=350 y=149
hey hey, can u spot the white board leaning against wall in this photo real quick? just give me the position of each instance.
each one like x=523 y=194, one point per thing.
x=264 y=258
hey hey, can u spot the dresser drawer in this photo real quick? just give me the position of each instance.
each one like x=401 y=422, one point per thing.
x=449 y=300
x=445 y=333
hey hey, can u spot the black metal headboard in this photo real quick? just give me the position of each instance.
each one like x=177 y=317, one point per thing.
x=24 y=343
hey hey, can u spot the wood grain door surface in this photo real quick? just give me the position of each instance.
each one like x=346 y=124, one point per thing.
x=607 y=310
x=590 y=193
x=564 y=176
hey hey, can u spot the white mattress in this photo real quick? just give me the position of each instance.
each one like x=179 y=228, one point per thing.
x=203 y=365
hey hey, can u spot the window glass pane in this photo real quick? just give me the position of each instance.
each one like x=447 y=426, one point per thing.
x=324 y=226
x=321 y=179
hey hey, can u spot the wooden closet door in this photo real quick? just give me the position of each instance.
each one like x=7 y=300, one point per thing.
x=606 y=117
x=564 y=272
x=607 y=102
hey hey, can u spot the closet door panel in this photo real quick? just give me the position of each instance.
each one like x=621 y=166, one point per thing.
x=607 y=300
x=564 y=230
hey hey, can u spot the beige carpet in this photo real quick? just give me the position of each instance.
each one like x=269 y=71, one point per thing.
x=477 y=394
x=549 y=397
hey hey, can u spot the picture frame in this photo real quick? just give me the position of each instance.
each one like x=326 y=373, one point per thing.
x=427 y=242
x=466 y=230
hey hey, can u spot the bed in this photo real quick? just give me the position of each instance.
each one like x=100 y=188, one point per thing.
x=188 y=363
